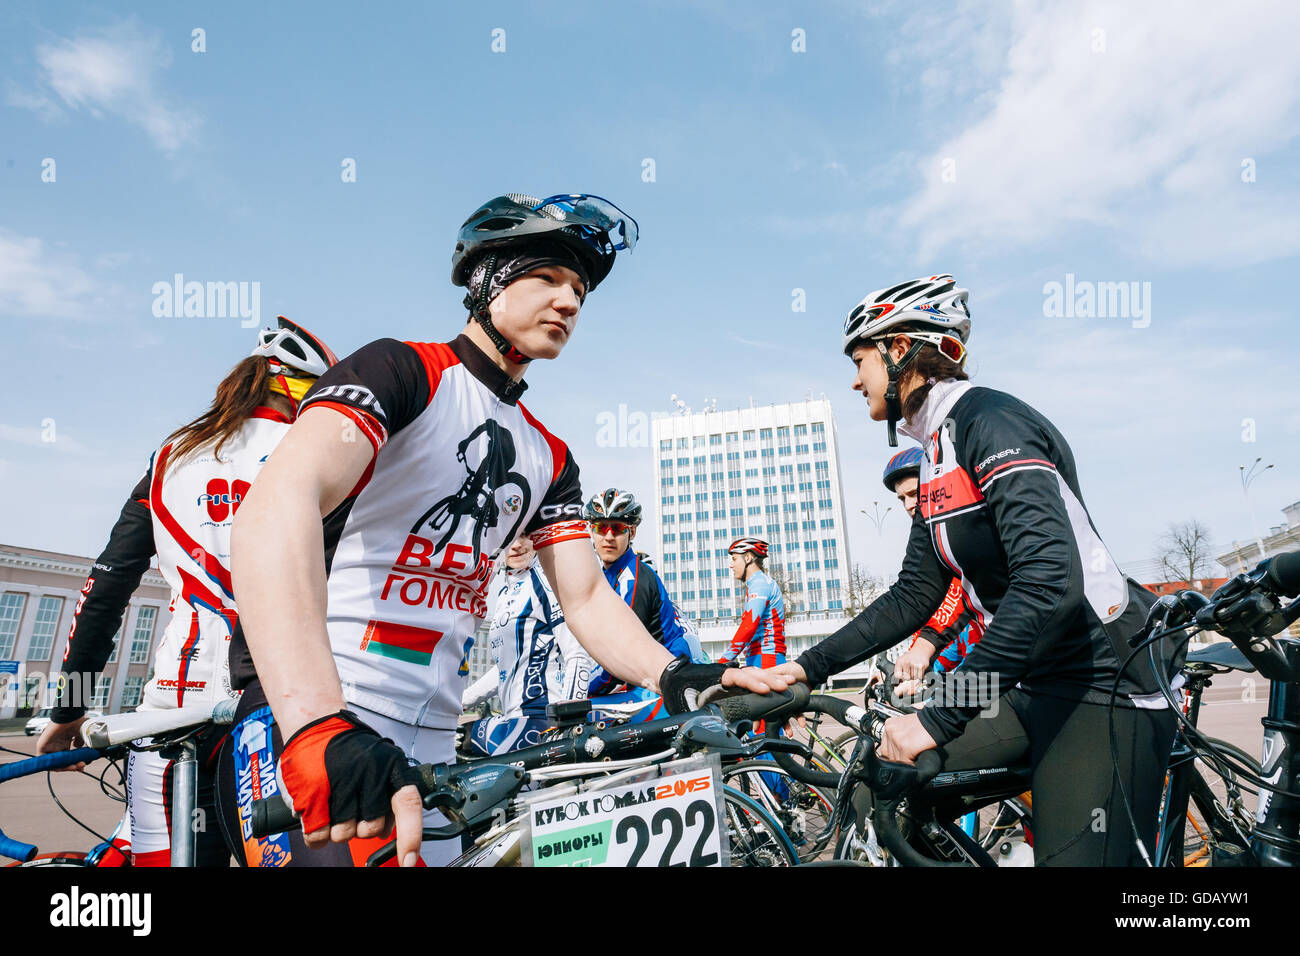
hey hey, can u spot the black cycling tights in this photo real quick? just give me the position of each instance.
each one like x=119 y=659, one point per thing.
x=1078 y=813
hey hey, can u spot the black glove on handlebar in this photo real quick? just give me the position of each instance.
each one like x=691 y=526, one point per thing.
x=683 y=679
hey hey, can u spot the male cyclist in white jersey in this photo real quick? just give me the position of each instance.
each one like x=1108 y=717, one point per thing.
x=538 y=661
x=424 y=466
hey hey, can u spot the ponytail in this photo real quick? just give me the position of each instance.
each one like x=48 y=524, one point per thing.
x=238 y=396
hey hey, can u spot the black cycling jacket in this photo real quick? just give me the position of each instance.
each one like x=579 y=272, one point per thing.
x=1000 y=508
x=113 y=578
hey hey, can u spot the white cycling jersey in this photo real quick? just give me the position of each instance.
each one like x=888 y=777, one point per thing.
x=461 y=469
x=192 y=503
x=538 y=659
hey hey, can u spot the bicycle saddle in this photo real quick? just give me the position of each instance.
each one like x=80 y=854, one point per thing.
x=1222 y=654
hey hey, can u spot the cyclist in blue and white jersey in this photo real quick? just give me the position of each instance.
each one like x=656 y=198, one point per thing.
x=538 y=662
x=613 y=516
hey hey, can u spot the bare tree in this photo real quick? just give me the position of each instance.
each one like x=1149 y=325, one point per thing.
x=1184 y=552
x=862 y=590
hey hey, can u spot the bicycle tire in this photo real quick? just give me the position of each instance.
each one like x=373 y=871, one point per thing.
x=804 y=812
x=54 y=859
x=755 y=838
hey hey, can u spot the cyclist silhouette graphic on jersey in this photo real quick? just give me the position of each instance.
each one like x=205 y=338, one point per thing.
x=476 y=497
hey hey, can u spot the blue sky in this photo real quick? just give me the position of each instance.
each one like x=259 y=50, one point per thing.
x=1009 y=145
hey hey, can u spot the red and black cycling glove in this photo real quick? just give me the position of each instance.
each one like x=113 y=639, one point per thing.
x=336 y=769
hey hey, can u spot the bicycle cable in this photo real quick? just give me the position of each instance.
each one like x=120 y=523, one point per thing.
x=1201 y=743
x=49 y=782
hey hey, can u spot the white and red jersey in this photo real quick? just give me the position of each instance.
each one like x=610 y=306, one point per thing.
x=182 y=511
x=460 y=470
x=193 y=503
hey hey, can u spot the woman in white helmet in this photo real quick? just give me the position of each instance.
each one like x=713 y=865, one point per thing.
x=1000 y=508
x=182 y=510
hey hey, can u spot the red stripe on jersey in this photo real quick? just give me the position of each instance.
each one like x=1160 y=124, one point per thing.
x=559 y=451
x=948 y=492
x=1010 y=464
x=196 y=596
x=183 y=670
x=437 y=358
x=262 y=411
x=369 y=425
x=202 y=558
x=558 y=532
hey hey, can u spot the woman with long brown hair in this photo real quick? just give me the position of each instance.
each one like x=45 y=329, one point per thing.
x=182 y=511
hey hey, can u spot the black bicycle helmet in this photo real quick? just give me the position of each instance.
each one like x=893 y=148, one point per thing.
x=593 y=228
x=613 y=505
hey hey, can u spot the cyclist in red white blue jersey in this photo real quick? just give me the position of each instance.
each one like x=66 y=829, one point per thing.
x=760 y=638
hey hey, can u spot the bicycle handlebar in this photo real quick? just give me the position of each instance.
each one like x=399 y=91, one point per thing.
x=272 y=815
x=16 y=849
x=1283 y=574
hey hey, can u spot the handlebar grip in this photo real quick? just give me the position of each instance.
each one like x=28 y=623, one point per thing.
x=54 y=761
x=272 y=815
x=765 y=706
x=1283 y=574
x=16 y=849
x=928 y=765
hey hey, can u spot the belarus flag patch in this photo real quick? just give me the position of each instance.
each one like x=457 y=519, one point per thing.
x=400 y=641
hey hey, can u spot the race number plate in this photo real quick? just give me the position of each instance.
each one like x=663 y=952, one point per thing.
x=671 y=817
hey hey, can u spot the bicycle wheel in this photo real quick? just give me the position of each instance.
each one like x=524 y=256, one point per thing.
x=756 y=839
x=54 y=859
x=804 y=812
x=1004 y=830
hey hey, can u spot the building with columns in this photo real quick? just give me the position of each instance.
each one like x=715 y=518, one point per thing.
x=38 y=597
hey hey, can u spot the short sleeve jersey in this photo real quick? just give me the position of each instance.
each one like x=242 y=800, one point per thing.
x=461 y=469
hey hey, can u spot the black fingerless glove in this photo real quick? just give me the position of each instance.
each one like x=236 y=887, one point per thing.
x=683 y=679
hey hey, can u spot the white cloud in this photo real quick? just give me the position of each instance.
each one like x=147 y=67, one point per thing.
x=113 y=73
x=1144 y=138
x=38 y=280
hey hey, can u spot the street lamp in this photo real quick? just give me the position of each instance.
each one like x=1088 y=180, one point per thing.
x=878 y=517
x=1247 y=476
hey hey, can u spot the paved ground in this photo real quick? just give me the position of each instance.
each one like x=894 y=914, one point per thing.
x=27 y=812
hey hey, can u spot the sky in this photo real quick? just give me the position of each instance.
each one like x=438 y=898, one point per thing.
x=782 y=161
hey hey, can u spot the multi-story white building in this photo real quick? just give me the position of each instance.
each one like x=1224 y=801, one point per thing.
x=771 y=471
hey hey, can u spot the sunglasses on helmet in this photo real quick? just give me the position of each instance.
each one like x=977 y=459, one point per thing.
x=949 y=346
x=592 y=212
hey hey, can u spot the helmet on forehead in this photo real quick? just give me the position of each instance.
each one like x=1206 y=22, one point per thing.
x=612 y=504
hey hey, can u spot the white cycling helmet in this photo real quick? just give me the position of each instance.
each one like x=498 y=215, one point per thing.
x=934 y=312
x=933 y=301
x=295 y=348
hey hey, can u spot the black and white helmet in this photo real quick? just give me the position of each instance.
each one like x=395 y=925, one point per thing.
x=293 y=347
x=613 y=505
x=933 y=301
